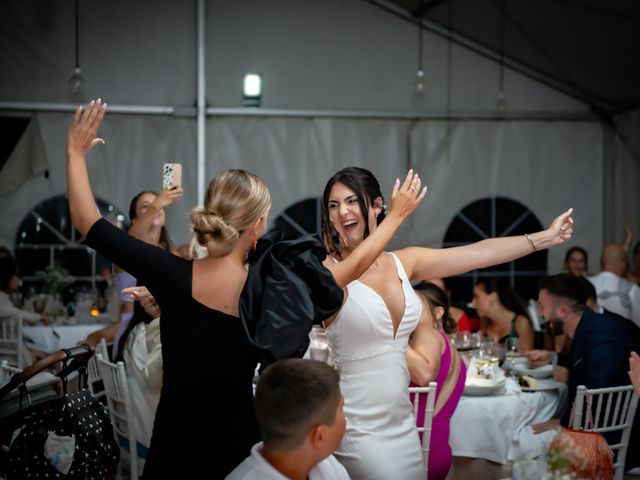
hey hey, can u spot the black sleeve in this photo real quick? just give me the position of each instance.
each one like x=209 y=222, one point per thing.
x=157 y=269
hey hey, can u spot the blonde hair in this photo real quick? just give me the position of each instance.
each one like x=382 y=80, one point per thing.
x=235 y=199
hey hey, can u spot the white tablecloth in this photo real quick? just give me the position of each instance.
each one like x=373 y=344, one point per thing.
x=50 y=339
x=498 y=427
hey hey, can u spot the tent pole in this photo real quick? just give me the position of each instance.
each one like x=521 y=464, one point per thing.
x=202 y=108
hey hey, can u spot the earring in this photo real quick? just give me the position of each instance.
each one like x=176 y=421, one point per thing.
x=255 y=244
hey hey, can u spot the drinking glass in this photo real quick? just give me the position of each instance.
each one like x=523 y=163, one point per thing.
x=463 y=341
x=17 y=299
x=39 y=302
x=511 y=344
x=319 y=344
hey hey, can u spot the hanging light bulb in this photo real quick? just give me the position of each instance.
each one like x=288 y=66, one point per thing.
x=501 y=105
x=420 y=82
x=77 y=83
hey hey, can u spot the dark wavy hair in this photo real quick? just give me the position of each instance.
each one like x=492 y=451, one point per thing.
x=139 y=314
x=366 y=187
x=508 y=296
x=576 y=249
x=436 y=297
x=165 y=239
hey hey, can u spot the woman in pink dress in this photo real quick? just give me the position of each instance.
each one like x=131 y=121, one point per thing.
x=431 y=358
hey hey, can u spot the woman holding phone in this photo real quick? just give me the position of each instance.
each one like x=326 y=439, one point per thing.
x=203 y=340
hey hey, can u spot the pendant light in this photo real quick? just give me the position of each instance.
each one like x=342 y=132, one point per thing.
x=77 y=83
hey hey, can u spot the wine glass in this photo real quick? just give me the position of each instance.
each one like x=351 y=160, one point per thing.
x=463 y=341
x=39 y=302
x=511 y=344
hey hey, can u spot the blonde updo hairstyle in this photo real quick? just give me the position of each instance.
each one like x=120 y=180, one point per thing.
x=234 y=201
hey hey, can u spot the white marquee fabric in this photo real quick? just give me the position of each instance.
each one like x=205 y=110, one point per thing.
x=547 y=166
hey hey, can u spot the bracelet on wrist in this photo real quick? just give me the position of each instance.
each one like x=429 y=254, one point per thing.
x=533 y=246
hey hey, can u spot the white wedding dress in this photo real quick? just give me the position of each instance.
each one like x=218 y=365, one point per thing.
x=381 y=440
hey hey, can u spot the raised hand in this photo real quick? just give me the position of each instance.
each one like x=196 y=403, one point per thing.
x=81 y=136
x=561 y=228
x=405 y=198
x=168 y=196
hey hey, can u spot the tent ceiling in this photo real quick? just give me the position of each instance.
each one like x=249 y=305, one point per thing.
x=587 y=48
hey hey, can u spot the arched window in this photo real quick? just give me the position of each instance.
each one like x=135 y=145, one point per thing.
x=496 y=217
x=46 y=237
x=301 y=218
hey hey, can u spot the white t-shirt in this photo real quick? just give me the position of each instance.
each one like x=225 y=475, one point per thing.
x=255 y=466
x=618 y=295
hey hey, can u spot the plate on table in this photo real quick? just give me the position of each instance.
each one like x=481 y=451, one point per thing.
x=482 y=386
x=536 y=372
x=543 y=385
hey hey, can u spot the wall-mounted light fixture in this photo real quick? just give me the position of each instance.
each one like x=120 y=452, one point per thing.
x=252 y=90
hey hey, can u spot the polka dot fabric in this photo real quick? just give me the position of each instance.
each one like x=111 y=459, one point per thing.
x=80 y=414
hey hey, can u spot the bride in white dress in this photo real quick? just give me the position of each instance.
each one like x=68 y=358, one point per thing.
x=369 y=335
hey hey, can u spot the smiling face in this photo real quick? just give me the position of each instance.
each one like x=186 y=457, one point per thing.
x=346 y=216
x=577 y=264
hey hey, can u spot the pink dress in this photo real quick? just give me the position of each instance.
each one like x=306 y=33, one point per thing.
x=439 y=448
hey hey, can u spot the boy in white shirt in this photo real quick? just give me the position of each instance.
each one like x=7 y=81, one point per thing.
x=299 y=409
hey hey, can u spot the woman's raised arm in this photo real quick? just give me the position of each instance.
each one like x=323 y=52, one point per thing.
x=425 y=263
x=81 y=137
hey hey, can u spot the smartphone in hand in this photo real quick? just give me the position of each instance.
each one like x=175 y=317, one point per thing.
x=171 y=175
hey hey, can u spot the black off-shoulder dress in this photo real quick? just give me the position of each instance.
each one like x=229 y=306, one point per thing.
x=207 y=396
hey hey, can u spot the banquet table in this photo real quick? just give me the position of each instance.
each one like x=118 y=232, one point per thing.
x=51 y=338
x=498 y=427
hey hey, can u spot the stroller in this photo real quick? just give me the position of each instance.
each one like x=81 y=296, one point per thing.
x=46 y=431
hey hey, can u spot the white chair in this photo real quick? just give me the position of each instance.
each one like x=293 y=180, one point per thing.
x=607 y=410
x=6 y=372
x=425 y=429
x=11 y=342
x=94 y=380
x=120 y=408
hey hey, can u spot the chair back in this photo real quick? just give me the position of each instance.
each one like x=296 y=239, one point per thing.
x=6 y=372
x=605 y=410
x=120 y=409
x=94 y=380
x=11 y=344
x=417 y=394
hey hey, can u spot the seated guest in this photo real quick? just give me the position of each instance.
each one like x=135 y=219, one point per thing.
x=600 y=345
x=299 y=410
x=615 y=292
x=465 y=321
x=10 y=282
x=136 y=355
x=431 y=358
x=576 y=261
x=505 y=313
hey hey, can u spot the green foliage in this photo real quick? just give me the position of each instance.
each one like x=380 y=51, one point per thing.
x=54 y=279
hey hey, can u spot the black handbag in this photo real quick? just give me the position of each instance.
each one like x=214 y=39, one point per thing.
x=81 y=420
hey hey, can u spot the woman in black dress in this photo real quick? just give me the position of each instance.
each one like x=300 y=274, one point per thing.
x=204 y=345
